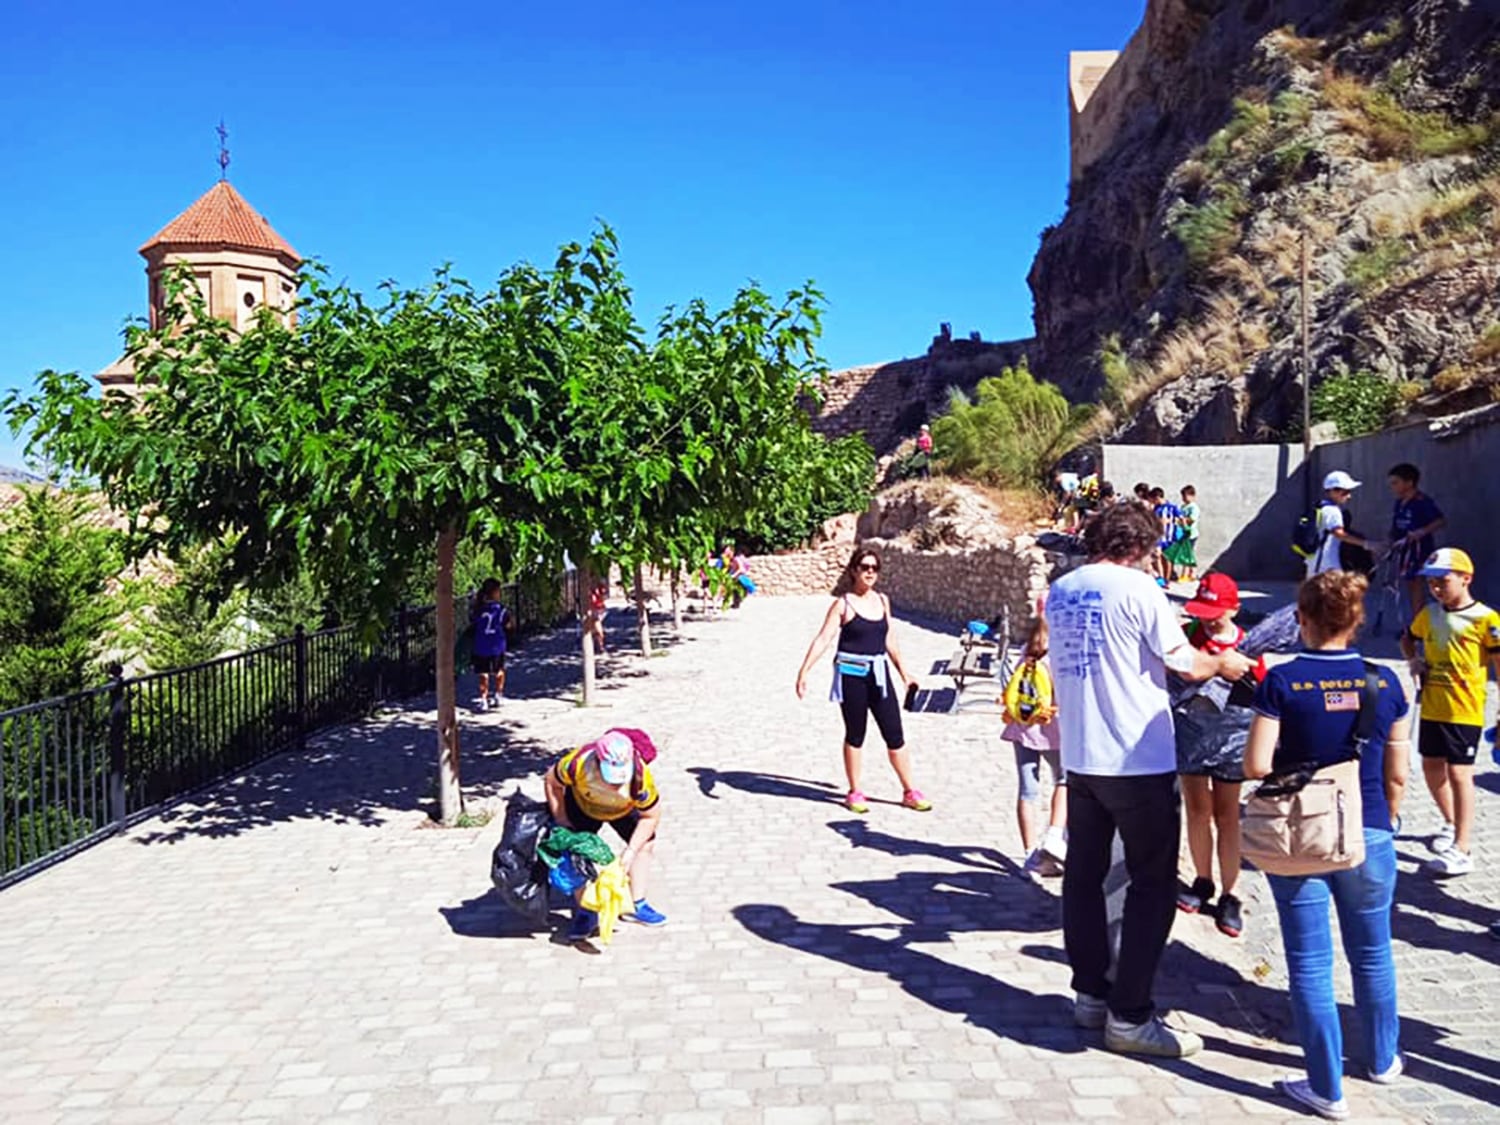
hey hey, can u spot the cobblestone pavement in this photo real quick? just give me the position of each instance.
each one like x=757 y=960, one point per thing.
x=296 y=946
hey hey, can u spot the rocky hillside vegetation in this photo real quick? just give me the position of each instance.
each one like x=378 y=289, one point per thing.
x=1371 y=128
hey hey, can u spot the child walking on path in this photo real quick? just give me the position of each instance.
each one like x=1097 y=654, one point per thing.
x=1211 y=790
x=1182 y=553
x=1460 y=639
x=1031 y=729
x=491 y=622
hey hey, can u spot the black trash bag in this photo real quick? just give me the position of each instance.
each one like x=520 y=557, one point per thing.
x=518 y=873
x=1211 y=736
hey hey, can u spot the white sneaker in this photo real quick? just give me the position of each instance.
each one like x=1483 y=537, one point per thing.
x=1154 y=1037
x=1388 y=1076
x=1449 y=863
x=1032 y=867
x=1301 y=1092
x=1443 y=840
x=1055 y=847
x=1089 y=1012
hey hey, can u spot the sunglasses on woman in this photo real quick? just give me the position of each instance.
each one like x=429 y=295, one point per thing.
x=869 y=568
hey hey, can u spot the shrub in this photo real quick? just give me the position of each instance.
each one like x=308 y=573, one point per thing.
x=1008 y=434
x=1210 y=230
x=1360 y=402
x=1383 y=36
x=1487 y=347
x=1250 y=119
x=1117 y=372
x=1371 y=270
x=1454 y=378
x=1392 y=130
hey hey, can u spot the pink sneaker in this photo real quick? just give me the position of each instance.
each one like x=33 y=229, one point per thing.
x=855 y=802
x=913 y=799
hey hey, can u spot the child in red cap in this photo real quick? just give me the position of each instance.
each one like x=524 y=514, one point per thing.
x=1213 y=799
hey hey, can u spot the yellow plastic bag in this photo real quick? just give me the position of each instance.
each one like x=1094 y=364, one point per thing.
x=1028 y=696
x=608 y=896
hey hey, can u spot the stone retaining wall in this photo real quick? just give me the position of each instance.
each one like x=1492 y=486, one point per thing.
x=951 y=585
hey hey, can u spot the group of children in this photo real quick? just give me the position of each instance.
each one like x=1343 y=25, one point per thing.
x=1452 y=644
x=1176 y=556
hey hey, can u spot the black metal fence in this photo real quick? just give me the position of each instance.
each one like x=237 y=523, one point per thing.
x=76 y=768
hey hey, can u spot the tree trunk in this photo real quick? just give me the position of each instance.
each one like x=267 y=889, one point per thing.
x=450 y=795
x=642 y=611
x=677 y=600
x=585 y=621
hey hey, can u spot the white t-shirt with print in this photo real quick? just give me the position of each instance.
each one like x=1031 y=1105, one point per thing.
x=1111 y=627
x=1328 y=555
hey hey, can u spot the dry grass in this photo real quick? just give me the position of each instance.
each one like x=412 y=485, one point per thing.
x=1280 y=251
x=1389 y=129
x=1236 y=270
x=1454 y=378
x=1016 y=508
x=1408 y=391
x=1303 y=49
x=1487 y=347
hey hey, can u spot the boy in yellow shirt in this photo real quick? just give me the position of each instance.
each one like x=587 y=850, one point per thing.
x=1460 y=640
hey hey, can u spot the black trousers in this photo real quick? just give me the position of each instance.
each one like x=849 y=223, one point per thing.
x=862 y=699
x=1144 y=810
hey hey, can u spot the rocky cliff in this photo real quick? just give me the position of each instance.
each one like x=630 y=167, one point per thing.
x=1238 y=128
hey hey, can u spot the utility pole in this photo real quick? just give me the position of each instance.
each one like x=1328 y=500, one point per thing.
x=1306 y=355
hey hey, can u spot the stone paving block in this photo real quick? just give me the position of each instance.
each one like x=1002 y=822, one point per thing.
x=824 y=966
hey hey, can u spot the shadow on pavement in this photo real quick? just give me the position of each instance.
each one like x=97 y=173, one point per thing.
x=361 y=775
x=861 y=835
x=1187 y=981
x=765 y=784
x=982 y=1000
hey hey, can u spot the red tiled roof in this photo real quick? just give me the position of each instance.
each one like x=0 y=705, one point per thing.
x=221 y=217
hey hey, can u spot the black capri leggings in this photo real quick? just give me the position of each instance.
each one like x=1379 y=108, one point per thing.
x=862 y=699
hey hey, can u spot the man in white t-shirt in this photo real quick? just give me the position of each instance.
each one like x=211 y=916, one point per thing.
x=1113 y=637
x=1338 y=486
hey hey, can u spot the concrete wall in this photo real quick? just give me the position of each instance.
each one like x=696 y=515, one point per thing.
x=1251 y=496
x=1457 y=457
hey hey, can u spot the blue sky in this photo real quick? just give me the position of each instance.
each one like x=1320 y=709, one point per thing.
x=906 y=156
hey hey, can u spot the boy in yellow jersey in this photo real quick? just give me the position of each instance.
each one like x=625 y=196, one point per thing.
x=1460 y=640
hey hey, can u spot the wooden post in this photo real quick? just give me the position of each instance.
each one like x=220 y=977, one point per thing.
x=1306 y=353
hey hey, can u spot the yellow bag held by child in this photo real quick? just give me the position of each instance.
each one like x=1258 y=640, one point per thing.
x=1028 y=696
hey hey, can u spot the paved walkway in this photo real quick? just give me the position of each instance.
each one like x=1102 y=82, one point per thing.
x=299 y=947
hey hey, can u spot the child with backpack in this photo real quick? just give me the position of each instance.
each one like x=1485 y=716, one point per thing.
x=1031 y=729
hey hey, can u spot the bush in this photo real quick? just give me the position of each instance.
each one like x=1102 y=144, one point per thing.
x=1360 y=402
x=55 y=605
x=1371 y=270
x=1114 y=365
x=1008 y=434
x=1488 y=345
x=1210 y=230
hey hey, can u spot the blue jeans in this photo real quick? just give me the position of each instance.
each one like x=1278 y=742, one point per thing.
x=1362 y=896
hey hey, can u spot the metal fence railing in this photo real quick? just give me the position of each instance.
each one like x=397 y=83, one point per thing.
x=75 y=768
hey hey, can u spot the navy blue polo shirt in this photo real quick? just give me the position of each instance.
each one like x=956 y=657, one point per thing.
x=1315 y=697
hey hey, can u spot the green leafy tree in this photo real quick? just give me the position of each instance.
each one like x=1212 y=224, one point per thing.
x=1359 y=402
x=355 y=442
x=56 y=606
x=1009 y=433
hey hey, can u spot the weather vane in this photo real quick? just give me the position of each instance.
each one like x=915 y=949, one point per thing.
x=223 y=150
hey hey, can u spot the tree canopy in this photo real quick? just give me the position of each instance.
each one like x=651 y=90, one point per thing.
x=365 y=440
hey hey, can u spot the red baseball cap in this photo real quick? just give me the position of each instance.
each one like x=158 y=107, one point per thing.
x=1217 y=595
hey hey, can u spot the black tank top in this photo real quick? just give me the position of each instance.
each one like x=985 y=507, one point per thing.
x=860 y=634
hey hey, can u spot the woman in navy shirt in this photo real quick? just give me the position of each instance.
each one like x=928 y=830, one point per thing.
x=1307 y=712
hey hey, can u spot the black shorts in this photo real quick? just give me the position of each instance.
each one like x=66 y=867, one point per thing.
x=489 y=665
x=1454 y=743
x=624 y=826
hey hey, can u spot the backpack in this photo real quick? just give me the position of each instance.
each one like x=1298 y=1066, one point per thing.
x=1306 y=538
x=1310 y=820
x=1028 y=695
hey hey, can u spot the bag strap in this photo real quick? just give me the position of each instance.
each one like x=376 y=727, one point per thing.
x=1369 y=706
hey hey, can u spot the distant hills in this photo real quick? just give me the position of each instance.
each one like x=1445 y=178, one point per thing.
x=18 y=476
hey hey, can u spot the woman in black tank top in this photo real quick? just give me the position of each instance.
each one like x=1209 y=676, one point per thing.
x=869 y=676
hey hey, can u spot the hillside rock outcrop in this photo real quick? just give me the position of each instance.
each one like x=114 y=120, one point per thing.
x=1370 y=128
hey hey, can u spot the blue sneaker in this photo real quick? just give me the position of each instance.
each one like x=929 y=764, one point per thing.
x=585 y=925
x=644 y=914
